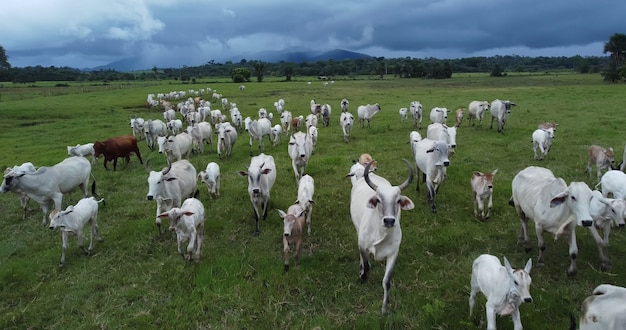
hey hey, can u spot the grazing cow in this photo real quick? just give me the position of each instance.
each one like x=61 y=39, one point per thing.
x=553 y=206
x=306 y=189
x=227 y=136
x=300 y=149
x=211 y=178
x=431 y=158
x=504 y=287
x=285 y=121
x=48 y=184
x=258 y=129
x=293 y=226
x=188 y=223
x=344 y=105
x=443 y=133
x=601 y=157
x=83 y=151
x=613 y=182
x=459 y=116
x=500 y=111
x=176 y=147
x=276 y=134
x=605 y=211
x=200 y=133
x=476 y=110
x=136 y=125
x=326 y=111
x=403 y=114
x=482 y=187
x=375 y=208
x=27 y=167
x=542 y=141
x=415 y=107
x=116 y=147
x=170 y=186
x=604 y=309
x=261 y=177
x=439 y=115
x=73 y=220
x=366 y=112
x=152 y=130
x=347 y=121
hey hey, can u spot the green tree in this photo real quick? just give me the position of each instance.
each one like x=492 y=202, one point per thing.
x=288 y=70
x=156 y=72
x=497 y=71
x=617 y=47
x=240 y=75
x=4 y=60
x=259 y=67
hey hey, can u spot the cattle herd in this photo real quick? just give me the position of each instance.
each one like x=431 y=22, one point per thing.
x=375 y=204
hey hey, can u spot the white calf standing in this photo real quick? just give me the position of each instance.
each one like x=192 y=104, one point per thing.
x=542 y=141
x=347 y=122
x=604 y=212
x=292 y=234
x=211 y=178
x=73 y=220
x=403 y=114
x=312 y=132
x=416 y=112
x=276 y=134
x=504 y=287
x=601 y=157
x=188 y=223
x=306 y=189
x=82 y=150
x=613 y=182
x=482 y=186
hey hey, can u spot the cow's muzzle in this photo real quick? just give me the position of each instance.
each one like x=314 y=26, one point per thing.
x=621 y=225
x=389 y=222
x=256 y=190
x=528 y=300
x=587 y=223
x=149 y=197
x=446 y=163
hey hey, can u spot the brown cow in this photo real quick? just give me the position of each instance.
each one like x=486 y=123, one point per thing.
x=603 y=158
x=115 y=147
x=482 y=187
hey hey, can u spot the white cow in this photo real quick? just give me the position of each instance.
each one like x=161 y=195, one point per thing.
x=326 y=111
x=136 y=125
x=316 y=108
x=188 y=223
x=200 y=133
x=48 y=184
x=441 y=132
x=279 y=106
x=414 y=137
x=258 y=129
x=504 y=287
x=300 y=149
x=285 y=121
x=476 y=110
x=344 y=105
x=152 y=130
x=542 y=141
x=403 y=114
x=276 y=134
x=613 y=182
x=211 y=178
x=482 y=188
x=500 y=111
x=311 y=120
x=552 y=205
x=415 y=107
x=73 y=220
x=605 y=212
x=431 y=158
x=347 y=122
x=262 y=113
x=170 y=186
x=312 y=132
x=366 y=112
x=601 y=157
x=227 y=136
x=83 y=151
x=175 y=147
x=306 y=189
x=261 y=177
x=169 y=115
x=27 y=167
x=439 y=115
x=375 y=208
x=604 y=309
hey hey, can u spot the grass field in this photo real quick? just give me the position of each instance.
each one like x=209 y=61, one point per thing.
x=136 y=279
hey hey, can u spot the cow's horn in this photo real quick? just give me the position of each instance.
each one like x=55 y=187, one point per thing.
x=169 y=167
x=148 y=168
x=367 y=176
x=408 y=180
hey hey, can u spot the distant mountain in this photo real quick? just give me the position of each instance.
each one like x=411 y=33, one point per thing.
x=296 y=55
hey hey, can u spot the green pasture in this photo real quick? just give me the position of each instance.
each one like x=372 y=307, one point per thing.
x=136 y=280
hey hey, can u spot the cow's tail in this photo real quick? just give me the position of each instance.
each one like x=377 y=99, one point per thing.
x=598 y=185
x=511 y=202
x=93 y=191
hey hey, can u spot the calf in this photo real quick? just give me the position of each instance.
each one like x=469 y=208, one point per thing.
x=200 y=133
x=459 y=116
x=344 y=105
x=604 y=309
x=482 y=187
x=300 y=149
x=73 y=220
x=306 y=189
x=613 y=182
x=188 y=223
x=83 y=151
x=415 y=107
x=542 y=141
x=347 y=122
x=504 y=287
x=604 y=212
x=211 y=178
x=476 y=110
x=136 y=125
x=261 y=177
x=276 y=134
x=403 y=114
x=285 y=121
x=18 y=170
x=227 y=136
x=601 y=157
x=293 y=227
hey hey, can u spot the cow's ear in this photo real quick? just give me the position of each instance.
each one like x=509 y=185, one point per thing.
x=188 y=213
x=558 y=199
x=163 y=215
x=266 y=171
x=282 y=213
x=430 y=150
x=373 y=202
x=529 y=265
x=170 y=179
x=406 y=203
x=507 y=265
x=476 y=173
x=312 y=202
x=243 y=173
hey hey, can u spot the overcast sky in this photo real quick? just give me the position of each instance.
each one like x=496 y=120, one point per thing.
x=171 y=33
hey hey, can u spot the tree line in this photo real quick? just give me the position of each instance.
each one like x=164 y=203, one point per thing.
x=611 y=67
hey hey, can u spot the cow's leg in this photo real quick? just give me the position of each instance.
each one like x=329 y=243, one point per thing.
x=431 y=197
x=522 y=238
x=517 y=322
x=391 y=262
x=605 y=262
x=266 y=205
x=256 y=220
x=475 y=204
x=251 y=154
x=64 y=237
x=80 y=237
x=492 y=118
x=191 y=247
x=199 y=239
x=286 y=253
x=475 y=288
x=573 y=252
x=489 y=206
x=364 y=264
x=295 y=171
x=541 y=244
x=490 y=311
